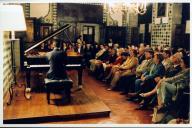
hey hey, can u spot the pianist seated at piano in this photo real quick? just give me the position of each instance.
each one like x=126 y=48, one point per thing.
x=57 y=61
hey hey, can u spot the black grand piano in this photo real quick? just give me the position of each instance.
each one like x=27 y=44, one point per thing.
x=35 y=60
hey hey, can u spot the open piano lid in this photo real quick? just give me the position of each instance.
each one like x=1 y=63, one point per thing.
x=51 y=35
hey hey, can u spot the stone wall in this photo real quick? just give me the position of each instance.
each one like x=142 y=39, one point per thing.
x=7 y=63
x=163 y=28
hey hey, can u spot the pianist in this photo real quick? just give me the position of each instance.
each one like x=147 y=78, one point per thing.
x=57 y=61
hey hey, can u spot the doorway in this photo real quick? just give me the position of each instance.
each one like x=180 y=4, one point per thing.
x=89 y=34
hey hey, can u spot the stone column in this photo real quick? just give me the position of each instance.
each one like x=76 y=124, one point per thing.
x=54 y=16
x=132 y=21
x=26 y=8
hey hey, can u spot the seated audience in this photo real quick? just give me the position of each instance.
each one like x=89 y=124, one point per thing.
x=167 y=61
x=101 y=55
x=96 y=49
x=169 y=88
x=148 y=80
x=88 y=54
x=119 y=61
x=141 y=55
x=176 y=68
x=116 y=46
x=80 y=40
x=101 y=67
x=161 y=75
x=70 y=48
x=79 y=49
x=121 y=57
x=126 y=69
x=143 y=67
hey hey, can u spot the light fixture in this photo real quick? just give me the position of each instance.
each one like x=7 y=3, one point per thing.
x=136 y=8
x=12 y=19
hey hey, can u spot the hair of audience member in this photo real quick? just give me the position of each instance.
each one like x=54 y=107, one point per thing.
x=182 y=52
x=106 y=46
x=178 y=57
x=150 y=50
x=142 y=45
x=116 y=45
x=101 y=46
x=119 y=51
x=180 y=49
x=156 y=49
x=159 y=57
x=167 y=52
x=134 y=52
x=115 y=50
x=141 y=50
x=137 y=49
x=173 y=50
x=132 y=47
x=186 y=60
x=188 y=53
x=148 y=46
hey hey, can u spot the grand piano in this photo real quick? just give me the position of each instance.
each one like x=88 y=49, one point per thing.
x=35 y=60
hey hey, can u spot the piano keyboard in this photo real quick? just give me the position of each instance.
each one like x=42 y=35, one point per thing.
x=47 y=65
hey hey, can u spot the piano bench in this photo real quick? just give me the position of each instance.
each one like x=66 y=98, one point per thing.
x=56 y=85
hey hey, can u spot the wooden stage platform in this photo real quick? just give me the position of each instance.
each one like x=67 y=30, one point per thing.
x=85 y=104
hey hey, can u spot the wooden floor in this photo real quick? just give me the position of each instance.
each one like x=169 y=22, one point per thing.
x=85 y=104
x=122 y=111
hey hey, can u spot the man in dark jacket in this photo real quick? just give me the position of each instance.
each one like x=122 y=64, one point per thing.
x=79 y=49
x=57 y=60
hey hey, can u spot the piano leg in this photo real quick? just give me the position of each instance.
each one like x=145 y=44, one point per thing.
x=28 y=86
x=80 y=73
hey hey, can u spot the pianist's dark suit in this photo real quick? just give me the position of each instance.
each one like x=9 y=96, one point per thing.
x=57 y=60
